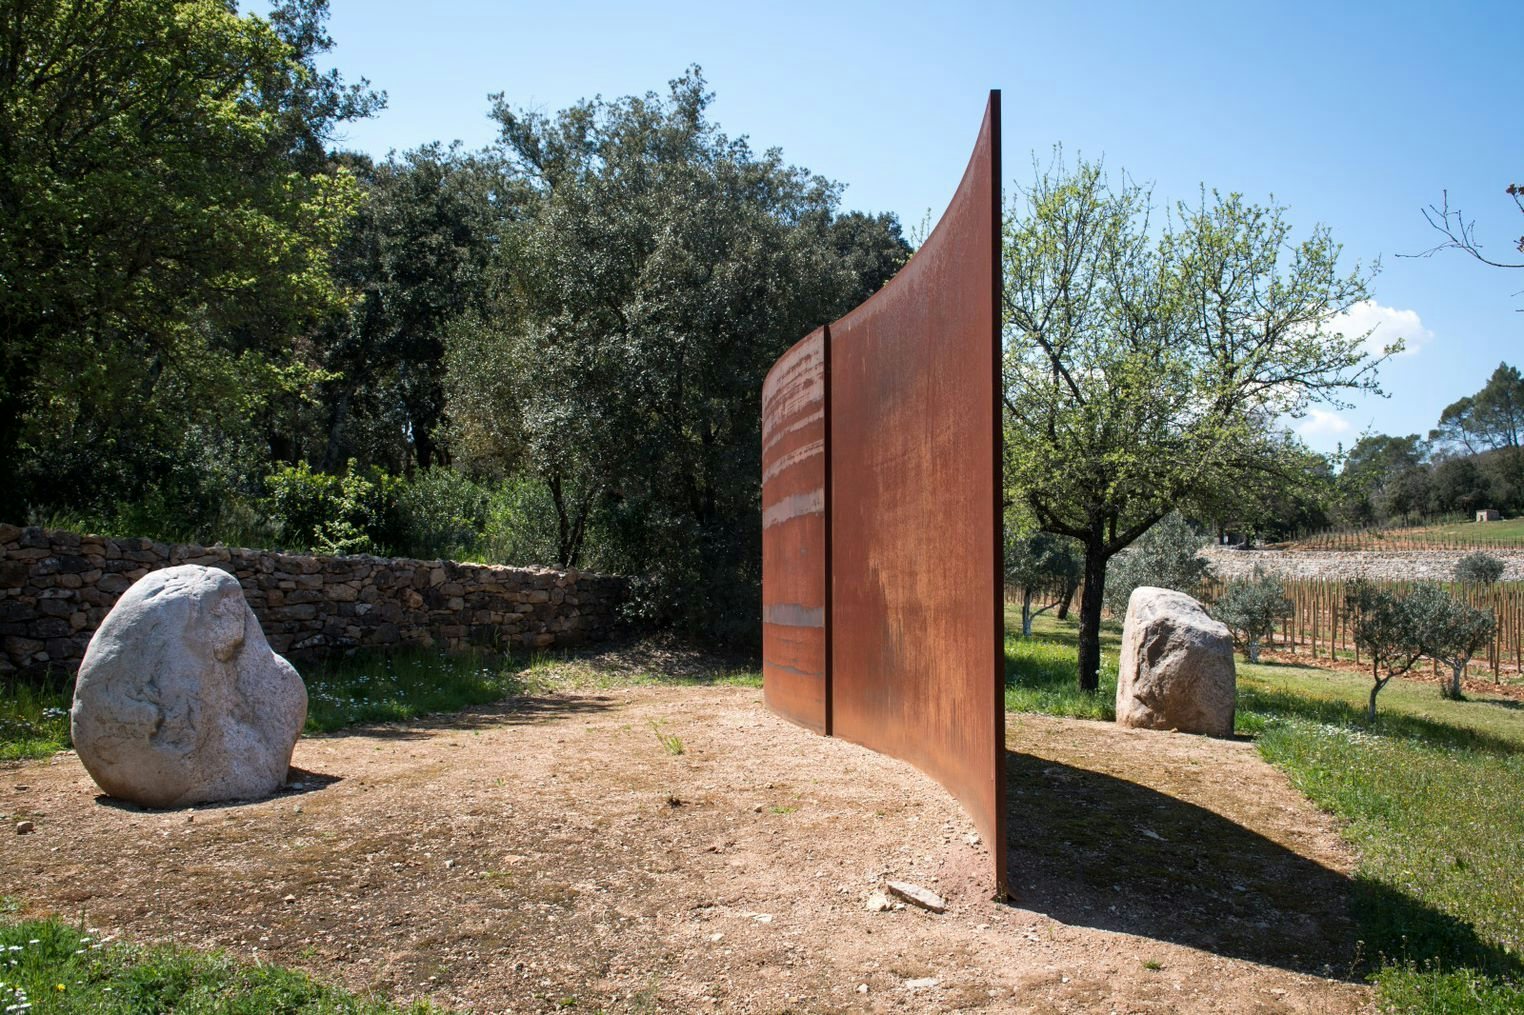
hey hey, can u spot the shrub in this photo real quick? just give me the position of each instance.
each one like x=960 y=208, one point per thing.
x=1250 y=608
x=1450 y=631
x=1478 y=569
x=521 y=525
x=442 y=514
x=323 y=513
x=1164 y=557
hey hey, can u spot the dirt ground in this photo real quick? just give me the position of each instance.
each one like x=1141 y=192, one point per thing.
x=557 y=853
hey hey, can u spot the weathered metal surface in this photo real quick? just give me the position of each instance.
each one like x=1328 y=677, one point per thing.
x=795 y=561
x=916 y=663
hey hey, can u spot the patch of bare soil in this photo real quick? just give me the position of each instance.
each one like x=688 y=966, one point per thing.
x=558 y=850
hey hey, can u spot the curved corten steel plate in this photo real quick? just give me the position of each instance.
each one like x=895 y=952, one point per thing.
x=916 y=663
x=795 y=560
x=899 y=518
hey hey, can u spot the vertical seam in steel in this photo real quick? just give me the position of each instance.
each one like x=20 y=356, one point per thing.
x=998 y=846
x=830 y=591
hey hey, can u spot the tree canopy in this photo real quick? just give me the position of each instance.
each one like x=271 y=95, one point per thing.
x=1148 y=364
x=169 y=213
x=660 y=269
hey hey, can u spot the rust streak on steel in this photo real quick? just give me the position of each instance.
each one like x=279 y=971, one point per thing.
x=795 y=560
x=912 y=538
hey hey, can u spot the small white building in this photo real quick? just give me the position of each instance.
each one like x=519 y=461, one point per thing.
x=1489 y=515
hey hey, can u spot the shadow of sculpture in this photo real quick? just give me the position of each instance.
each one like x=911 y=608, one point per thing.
x=1094 y=850
x=520 y=710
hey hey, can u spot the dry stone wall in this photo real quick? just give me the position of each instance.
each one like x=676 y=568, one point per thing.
x=1387 y=565
x=56 y=587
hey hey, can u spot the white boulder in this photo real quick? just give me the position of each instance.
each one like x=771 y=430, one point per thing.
x=180 y=699
x=1176 y=670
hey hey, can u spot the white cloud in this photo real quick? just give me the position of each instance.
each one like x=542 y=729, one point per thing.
x=1385 y=324
x=1323 y=423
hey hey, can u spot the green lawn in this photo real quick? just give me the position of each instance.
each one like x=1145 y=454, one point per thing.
x=1433 y=797
x=1505 y=530
x=47 y=966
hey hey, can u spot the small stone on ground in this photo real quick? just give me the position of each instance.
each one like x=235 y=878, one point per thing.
x=918 y=896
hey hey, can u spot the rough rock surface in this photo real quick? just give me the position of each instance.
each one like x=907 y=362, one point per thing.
x=180 y=699
x=1176 y=670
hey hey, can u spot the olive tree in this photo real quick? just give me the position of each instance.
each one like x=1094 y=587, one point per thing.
x=1146 y=365
x=1478 y=569
x=1036 y=562
x=1250 y=608
x=1450 y=631
x=1166 y=557
x=1387 y=631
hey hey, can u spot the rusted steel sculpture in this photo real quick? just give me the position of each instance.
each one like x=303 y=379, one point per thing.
x=795 y=561
x=897 y=516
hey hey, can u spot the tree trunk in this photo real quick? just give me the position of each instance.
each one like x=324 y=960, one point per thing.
x=564 y=545
x=1026 y=612
x=1370 y=713
x=1253 y=650
x=1090 y=618
x=1068 y=596
x=1452 y=687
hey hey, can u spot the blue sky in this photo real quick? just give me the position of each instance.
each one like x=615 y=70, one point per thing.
x=1352 y=115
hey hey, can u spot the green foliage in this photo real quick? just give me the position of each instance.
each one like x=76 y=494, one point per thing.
x=658 y=271
x=416 y=256
x=1450 y=631
x=1474 y=459
x=352 y=513
x=1125 y=397
x=1386 y=630
x=168 y=227
x=53 y=967
x=1283 y=491
x=1491 y=419
x=522 y=527
x=1479 y=568
x=1251 y=607
x=34 y=719
x=1038 y=562
x=443 y=514
x=1383 y=478
x=1164 y=557
x=393 y=686
x=1411 y=988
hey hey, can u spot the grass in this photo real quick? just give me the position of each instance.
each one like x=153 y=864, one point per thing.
x=1499 y=531
x=364 y=688
x=670 y=742
x=47 y=966
x=1040 y=671
x=34 y=719
x=376 y=687
x=1432 y=795
x=575 y=672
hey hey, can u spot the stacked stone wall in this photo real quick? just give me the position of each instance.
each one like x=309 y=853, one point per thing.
x=56 y=587
x=1386 y=565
